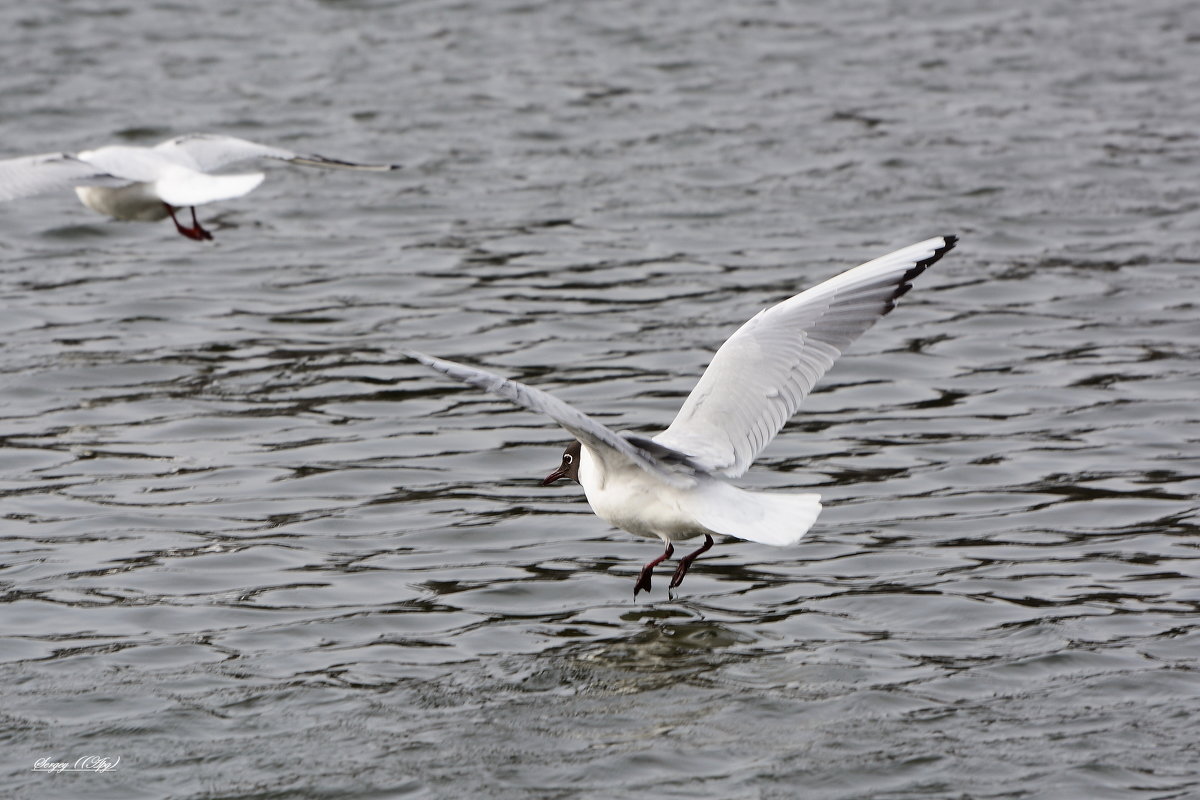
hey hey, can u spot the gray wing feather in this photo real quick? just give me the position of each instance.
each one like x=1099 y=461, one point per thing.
x=32 y=175
x=758 y=378
x=600 y=439
x=207 y=152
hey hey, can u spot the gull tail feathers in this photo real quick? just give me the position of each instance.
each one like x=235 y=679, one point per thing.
x=774 y=518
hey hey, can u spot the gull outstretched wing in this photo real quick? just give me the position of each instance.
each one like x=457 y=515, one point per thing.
x=604 y=442
x=48 y=172
x=759 y=377
x=208 y=151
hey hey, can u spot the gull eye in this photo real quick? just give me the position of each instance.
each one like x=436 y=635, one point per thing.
x=568 y=458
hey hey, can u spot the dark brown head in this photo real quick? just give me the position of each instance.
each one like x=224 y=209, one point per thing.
x=569 y=468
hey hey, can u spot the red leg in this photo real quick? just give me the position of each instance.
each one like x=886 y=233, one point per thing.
x=194 y=232
x=196 y=226
x=643 y=581
x=687 y=560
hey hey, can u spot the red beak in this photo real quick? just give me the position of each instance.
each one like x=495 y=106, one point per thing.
x=558 y=474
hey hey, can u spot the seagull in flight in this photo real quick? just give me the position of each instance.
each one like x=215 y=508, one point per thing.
x=147 y=184
x=675 y=486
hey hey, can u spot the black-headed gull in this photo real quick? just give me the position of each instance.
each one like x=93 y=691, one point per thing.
x=674 y=485
x=147 y=184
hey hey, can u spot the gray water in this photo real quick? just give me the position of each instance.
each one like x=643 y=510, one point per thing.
x=251 y=552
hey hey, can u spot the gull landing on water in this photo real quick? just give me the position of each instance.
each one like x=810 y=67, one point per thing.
x=674 y=485
x=147 y=184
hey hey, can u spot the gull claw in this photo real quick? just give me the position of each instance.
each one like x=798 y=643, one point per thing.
x=643 y=581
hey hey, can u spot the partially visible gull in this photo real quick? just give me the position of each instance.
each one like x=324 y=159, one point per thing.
x=147 y=184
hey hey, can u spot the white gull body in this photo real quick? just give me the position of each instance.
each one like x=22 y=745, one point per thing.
x=147 y=184
x=674 y=486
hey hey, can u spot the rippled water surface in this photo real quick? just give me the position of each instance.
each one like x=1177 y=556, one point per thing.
x=253 y=553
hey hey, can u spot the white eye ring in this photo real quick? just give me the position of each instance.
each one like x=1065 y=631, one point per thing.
x=568 y=458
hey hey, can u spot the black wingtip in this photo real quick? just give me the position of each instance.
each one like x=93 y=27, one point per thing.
x=905 y=283
x=316 y=160
x=926 y=263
